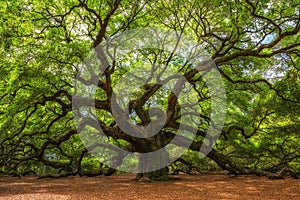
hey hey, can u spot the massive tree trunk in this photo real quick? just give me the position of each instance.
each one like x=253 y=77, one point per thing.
x=158 y=175
x=151 y=169
x=152 y=166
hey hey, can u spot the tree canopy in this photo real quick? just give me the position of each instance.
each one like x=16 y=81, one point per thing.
x=253 y=45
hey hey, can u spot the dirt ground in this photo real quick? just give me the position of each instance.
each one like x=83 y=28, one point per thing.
x=122 y=187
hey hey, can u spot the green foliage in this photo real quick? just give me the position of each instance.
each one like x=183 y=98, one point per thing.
x=255 y=45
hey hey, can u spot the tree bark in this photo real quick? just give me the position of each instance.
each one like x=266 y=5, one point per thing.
x=152 y=167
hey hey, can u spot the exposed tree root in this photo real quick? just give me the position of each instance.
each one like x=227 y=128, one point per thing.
x=56 y=175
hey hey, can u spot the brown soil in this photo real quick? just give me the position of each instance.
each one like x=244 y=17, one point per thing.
x=122 y=187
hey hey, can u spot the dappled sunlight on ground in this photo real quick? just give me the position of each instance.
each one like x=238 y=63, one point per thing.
x=123 y=187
